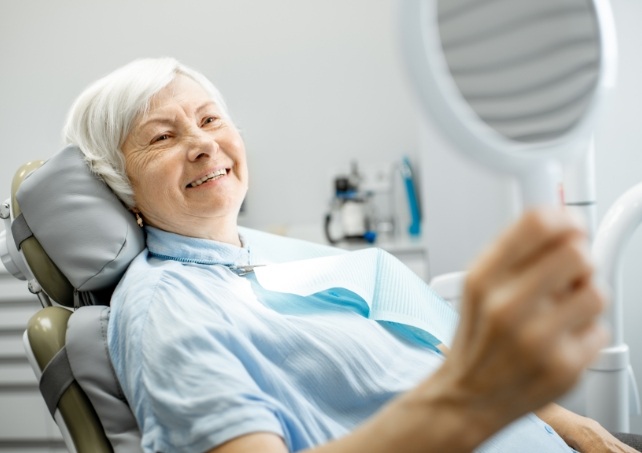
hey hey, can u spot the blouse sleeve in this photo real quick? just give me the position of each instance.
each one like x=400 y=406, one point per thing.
x=189 y=371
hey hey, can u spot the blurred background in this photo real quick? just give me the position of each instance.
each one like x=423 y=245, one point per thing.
x=315 y=87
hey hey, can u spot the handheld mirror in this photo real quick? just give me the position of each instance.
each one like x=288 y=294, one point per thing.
x=514 y=84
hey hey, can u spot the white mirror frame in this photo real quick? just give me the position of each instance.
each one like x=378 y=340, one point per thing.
x=537 y=166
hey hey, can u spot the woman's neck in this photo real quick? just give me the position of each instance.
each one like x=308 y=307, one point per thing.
x=226 y=232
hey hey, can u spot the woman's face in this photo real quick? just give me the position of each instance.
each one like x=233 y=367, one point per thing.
x=186 y=163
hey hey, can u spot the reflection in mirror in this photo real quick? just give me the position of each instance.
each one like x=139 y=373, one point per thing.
x=528 y=69
x=514 y=84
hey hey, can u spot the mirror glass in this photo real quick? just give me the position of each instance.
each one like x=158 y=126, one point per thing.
x=514 y=84
x=528 y=69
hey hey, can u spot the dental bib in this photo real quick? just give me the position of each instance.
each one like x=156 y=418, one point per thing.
x=390 y=292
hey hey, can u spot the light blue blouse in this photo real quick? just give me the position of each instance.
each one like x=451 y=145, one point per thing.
x=205 y=355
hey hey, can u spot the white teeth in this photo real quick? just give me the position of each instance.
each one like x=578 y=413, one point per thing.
x=215 y=174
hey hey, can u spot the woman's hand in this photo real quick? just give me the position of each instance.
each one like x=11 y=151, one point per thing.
x=582 y=433
x=529 y=322
x=528 y=329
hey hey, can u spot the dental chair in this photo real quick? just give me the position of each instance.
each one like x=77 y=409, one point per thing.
x=77 y=240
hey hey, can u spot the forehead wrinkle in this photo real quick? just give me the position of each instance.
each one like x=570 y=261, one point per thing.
x=160 y=120
x=207 y=104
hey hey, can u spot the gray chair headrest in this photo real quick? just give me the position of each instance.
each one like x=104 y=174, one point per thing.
x=81 y=225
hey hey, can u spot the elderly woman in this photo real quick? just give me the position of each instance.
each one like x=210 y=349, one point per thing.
x=208 y=362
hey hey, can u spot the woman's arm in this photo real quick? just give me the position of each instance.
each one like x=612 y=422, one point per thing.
x=581 y=433
x=424 y=420
x=528 y=329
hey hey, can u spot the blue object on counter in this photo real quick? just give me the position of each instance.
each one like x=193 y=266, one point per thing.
x=370 y=236
x=414 y=229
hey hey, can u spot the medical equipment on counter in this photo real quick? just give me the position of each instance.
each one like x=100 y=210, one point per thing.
x=352 y=207
x=407 y=174
x=374 y=202
x=518 y=86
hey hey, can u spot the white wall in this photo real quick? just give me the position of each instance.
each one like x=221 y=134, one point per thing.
x=313 y=85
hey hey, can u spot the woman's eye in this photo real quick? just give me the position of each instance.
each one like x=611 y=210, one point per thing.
x=160 y=138
x=209 y=120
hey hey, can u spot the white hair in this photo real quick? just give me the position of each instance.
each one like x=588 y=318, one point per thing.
x=102 y=116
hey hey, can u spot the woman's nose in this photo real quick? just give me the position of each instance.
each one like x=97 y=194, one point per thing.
x=201 y=143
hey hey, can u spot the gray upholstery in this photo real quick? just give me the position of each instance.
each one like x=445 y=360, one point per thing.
x=632 y=440
x=86 y=345
x=86 y=235
x=56 y=378
x=80 y=223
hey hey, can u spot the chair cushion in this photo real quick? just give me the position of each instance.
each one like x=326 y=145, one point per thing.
x=86 y=344
x=80 y=223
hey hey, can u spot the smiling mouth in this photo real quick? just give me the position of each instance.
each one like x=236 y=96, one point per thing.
x=214 y=175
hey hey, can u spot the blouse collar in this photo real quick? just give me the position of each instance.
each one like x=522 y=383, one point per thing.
x=166 y=245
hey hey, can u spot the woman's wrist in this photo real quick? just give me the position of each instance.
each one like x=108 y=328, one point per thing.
x=571 y=427
x=437 y=416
